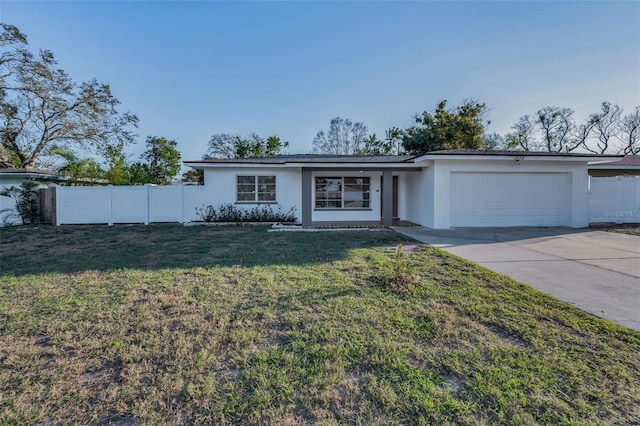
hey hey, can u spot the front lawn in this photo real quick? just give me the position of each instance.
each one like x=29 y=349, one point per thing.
x=166 y=324
x=629 y=229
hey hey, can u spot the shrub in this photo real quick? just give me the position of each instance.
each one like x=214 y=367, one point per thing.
x=400 y=278
x=206 y=213
x=26 y=199
x=230 y=213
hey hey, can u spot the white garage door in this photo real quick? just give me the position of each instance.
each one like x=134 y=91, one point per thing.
x=510 y=199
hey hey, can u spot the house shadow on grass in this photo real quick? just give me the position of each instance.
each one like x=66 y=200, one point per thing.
x=69 y=249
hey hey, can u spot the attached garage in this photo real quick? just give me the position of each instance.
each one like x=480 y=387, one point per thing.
x=467 y=188
x=509 y=199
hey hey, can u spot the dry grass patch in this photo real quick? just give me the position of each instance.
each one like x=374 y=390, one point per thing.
x=219 y=326
x=629 y=230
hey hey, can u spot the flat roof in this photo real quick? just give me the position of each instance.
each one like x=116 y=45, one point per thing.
x=310 y=158
x=301 y=160
x=9 y=171
x=511 y=153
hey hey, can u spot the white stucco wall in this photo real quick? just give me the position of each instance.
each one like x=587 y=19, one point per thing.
x=418 y=196
x=220 y=187
x=423 y=197
x=6 y=218
x=432 y=189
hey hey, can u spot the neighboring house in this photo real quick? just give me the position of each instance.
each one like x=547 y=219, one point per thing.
x=627 y=166
x=442 y=189
x=14 y=177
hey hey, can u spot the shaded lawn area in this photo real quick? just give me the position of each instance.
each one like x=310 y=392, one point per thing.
x=172 y=325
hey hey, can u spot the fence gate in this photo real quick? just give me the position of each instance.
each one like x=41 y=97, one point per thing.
x=47 y=199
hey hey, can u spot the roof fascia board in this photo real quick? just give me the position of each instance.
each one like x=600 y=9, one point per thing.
x=234 y=165
x=33 y=175
x=523 y=157
x=614 y=166
x=360 y=169
x=358 y=166
x=604 y=161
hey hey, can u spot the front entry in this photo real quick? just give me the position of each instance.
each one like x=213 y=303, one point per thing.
x=394 y=197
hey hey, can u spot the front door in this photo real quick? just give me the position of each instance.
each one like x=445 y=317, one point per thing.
x=394 y=195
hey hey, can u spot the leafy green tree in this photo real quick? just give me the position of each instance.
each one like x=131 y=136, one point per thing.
x=41 y=106
x=225 y=145
x=118 y=172
x=139 y=174
x=273 y=146
x=458 y=128
x=79 y=171
x=388 y=146
x=162 y=160
x=193 y=175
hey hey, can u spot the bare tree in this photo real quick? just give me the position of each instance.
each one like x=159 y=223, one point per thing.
x=551 y=129
x=222 y=145
x=343 y=137
x=606 y=125
x=629 y=133
x=40 y=105
x=495 y=141
x=557 y=127
x=524 y=134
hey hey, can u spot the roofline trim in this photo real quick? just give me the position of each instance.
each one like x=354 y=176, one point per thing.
x=33 y=175
x=514 y=157
x=614 y=166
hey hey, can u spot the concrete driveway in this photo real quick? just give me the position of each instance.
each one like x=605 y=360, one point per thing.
x=596 y=271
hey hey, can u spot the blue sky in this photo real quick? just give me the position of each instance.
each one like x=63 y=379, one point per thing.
x=192 y=69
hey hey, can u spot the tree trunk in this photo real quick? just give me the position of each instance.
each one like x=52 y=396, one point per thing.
x=9 y=145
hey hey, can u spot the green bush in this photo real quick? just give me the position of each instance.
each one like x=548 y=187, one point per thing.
x=231 y=213
x=26 y=199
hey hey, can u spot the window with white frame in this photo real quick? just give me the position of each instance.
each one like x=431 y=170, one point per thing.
x=342 y=193
x=255 y=189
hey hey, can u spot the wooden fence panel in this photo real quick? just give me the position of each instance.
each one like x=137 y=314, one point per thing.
x=47 y=202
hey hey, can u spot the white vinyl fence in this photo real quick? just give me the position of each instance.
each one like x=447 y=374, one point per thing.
x=127 y=204
x=614 y=199
x=611 y=199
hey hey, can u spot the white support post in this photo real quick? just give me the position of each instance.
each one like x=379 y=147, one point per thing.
x=56 y=212
x=619 y=199
x=182 y=204
x=148 y=216
x=110 y=222
x=637 y=198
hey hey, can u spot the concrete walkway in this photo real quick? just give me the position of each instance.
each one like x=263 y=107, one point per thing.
x=597 y=271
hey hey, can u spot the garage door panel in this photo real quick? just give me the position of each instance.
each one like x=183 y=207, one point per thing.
x=509 y=199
